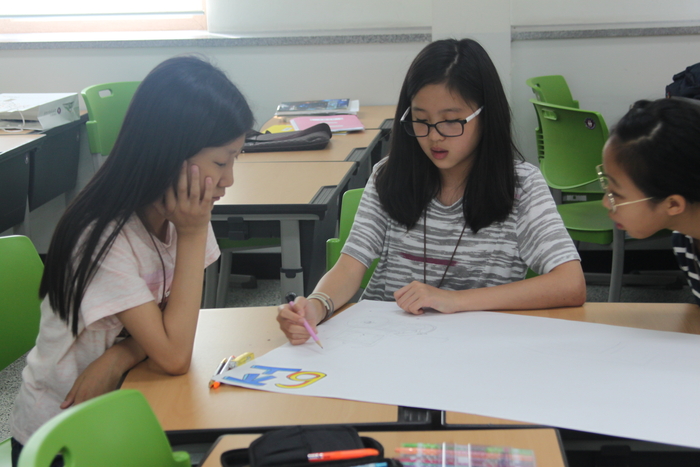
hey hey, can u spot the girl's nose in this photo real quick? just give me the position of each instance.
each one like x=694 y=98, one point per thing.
x=226 y=179
x=434 y=135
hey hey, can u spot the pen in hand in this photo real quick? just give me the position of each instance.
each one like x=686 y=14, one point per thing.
x=290 y=298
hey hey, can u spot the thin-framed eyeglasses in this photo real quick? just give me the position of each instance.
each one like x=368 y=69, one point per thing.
x=446 y=128
x=603 y=179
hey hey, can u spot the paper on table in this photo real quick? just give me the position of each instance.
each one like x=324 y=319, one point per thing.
x=591 y=377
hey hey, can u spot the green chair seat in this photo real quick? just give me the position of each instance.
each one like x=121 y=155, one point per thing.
x=115 y=429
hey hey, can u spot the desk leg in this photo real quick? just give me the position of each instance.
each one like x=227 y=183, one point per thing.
x=291 y=273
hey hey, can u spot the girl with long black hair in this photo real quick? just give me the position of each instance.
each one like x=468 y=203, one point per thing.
x=123 y=276
x=452 y=214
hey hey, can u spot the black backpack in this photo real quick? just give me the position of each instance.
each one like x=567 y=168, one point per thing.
x=686 y=83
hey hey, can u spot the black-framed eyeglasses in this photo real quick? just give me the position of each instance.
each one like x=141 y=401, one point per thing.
x=446 y=128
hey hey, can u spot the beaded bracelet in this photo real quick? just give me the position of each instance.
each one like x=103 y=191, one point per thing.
x=327 y=303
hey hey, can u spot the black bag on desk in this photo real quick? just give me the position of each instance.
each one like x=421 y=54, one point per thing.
x=686 y=83
x=315 y=137
x=289 y=447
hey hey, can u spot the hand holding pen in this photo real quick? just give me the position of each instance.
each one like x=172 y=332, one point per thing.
x=294 y=320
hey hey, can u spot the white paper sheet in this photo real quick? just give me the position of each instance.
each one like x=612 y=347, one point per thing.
x=591 y=377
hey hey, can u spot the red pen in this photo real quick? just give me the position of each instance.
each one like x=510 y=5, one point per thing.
x=341 y=455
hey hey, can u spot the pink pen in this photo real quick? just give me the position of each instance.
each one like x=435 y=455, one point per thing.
x=290 y=298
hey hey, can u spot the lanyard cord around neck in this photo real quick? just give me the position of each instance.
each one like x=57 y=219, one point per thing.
x=425 y=251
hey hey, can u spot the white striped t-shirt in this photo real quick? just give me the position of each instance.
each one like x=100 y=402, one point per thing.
x=532 y=236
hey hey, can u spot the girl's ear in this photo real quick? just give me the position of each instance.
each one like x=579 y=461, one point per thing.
x=675 y=205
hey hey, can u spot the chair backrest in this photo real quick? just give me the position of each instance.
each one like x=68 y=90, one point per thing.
x=115 y=429
x=348 y=209
x=553 y=90
x=20 y=275
x=106 y=105
x=573 y=142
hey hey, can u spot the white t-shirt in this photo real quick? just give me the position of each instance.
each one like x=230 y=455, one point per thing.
x=130 y=275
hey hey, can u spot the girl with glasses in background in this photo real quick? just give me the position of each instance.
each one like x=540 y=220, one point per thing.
x=651 y=174
x=453 y=217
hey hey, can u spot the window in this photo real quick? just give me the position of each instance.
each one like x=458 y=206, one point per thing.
x=38 y=16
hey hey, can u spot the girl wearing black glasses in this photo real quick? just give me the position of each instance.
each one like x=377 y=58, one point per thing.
x=651 y=174
x=454 y=219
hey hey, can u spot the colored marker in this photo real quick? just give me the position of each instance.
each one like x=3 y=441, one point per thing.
x=290 y=298
x=341 y=455
x=220 y=369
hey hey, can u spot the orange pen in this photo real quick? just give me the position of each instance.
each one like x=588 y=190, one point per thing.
x=341 y=455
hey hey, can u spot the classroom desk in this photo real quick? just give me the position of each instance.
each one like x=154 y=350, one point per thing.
x=544 y=442
x=184 y=403
x=352 y=147
x=36 y=168
x=294 y=201
x=15 y=151
x=373 y=117
x=676 y=317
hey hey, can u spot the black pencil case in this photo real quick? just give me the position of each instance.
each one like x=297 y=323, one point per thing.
x=289 y=447
x=315 y=137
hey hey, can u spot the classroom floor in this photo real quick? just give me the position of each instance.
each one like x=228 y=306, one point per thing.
x=267 y=293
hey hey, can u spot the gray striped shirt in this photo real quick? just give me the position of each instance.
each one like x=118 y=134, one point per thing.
x=532 y=236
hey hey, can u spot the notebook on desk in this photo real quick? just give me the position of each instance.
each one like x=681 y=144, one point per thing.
x=337 y=123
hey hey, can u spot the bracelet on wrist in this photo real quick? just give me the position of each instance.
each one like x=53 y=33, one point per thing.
x=327 y=303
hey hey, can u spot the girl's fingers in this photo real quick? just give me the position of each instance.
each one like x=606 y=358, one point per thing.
x=182 y=182
x=195 y=193
x=208 y=192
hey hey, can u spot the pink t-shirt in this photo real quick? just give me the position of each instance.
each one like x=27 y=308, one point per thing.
x=130 y=275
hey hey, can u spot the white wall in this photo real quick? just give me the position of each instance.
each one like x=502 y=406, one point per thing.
x=256 y=16
x=606 y=75
x=267 y=75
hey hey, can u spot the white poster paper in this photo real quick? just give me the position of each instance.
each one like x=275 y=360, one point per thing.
x=590 y=377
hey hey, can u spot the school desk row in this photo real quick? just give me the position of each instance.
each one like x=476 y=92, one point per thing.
x=35 y=168
x=191 y=412
x=295 y=196
x=291 y=195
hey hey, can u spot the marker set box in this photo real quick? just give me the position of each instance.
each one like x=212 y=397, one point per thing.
x=463 y=455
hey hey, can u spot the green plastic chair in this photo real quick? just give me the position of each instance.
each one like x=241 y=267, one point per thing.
x=20 y=275
x=573 y=142
x=106 y=105
x=348 y=209
x=552 y=89
x=115 y=429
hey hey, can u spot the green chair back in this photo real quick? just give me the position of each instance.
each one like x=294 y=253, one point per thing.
x=573 y=142
x=106 y=105
x=115 y=429
x=20 y=275
x=552 y=89
x=348 y=209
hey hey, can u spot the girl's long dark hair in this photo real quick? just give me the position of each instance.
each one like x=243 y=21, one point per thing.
x=657 y=143
x=409 y=180
x=184 y=105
